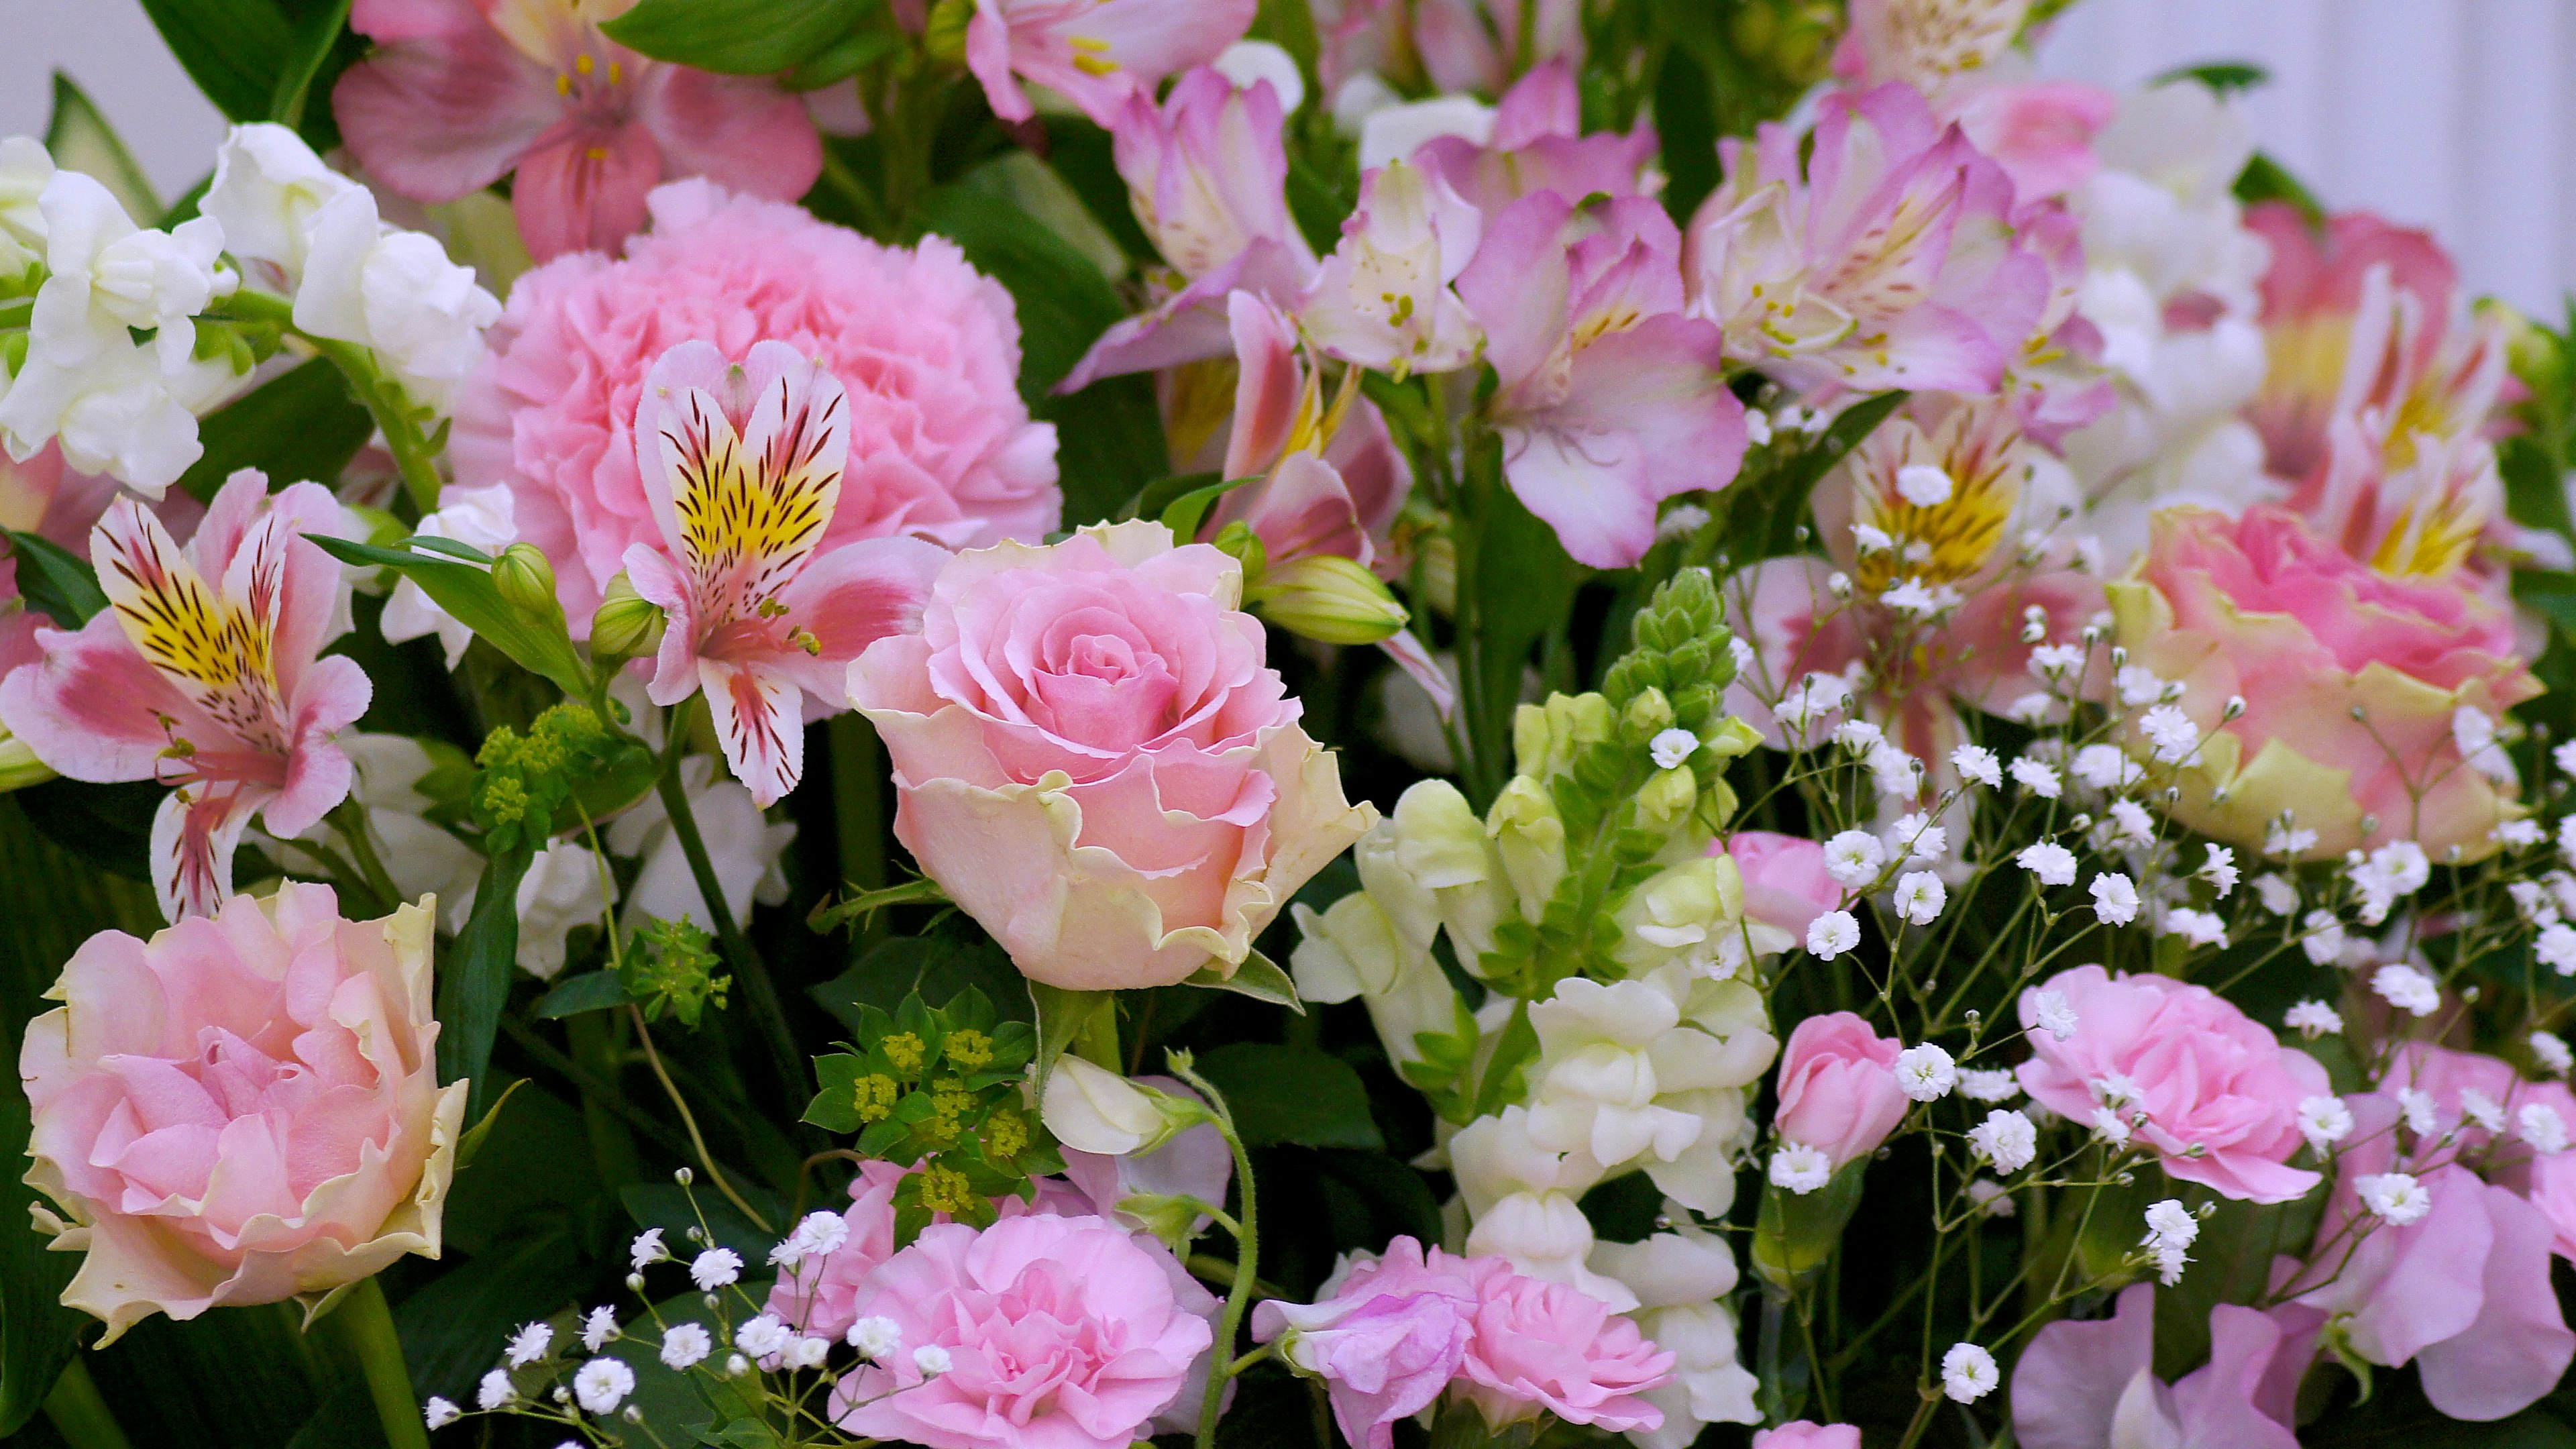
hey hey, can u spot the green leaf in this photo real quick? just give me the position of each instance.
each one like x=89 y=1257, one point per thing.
x=80 y=139
x=1156 y=499
x=666 y=1205
x=476 y=983
x=468 y=593
x=1280 y=1093
x=2265 y=179
x=737 y=37
x=471 y=1145
x=1062 y=1015
x=1258 y=977
x=299 y=425
x=1524 y=585
x=41 y=1335
x=591 y=991
x=1109 y=437
x=936 y=966
x=1764 y=512
x=54 y=581
x=1186 y=514
x=315 y=36
x=2223 y=76
x=107 y=826
x=233 y=49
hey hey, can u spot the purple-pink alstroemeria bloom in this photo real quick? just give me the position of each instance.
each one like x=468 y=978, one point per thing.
x=1095 y=53
x=1892 y=258
x=2092 y=1385
x=1538 y=145
x=1611 y=399
x=2463 y=1292
x=743 y=466
x=460 y=93
x=1207 y=175
x=204 y=673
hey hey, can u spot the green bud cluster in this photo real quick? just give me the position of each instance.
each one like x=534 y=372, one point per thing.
x=526 y=782
x=672 y=971
x=939 y=1088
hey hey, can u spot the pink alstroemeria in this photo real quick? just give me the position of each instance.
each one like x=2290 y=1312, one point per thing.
x=459 y=93
x=1960 y=55
x=1475 y=45
x=2462 y=1291
x=204 y=673
x=1611 y=399
x=1207 y=175
x=743 y=467
x=1538 y=145
x=1382 y=300
x=1331 y=478
x=1938 y=592
x=1892 y=258
x=1095 y=53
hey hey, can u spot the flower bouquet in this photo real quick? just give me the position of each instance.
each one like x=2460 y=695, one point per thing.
x=1036 y=724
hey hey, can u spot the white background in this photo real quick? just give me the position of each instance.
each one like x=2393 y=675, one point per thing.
x=2459 y=115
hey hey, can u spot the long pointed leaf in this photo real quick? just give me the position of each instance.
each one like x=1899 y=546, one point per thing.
x=468 y=593
x=477 y=983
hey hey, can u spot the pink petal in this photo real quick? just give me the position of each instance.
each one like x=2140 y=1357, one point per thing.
x=2519 y=1346
x=445 y=106
x=744 y=133
x=583 y=189
x=193 y=835
x=758 y=714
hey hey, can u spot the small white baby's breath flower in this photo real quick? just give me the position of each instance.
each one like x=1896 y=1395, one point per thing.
x=1672 y=748
x=2395 y=1197
x=2423 y=1115
x=2406 y=988
x=932 y=1360
x=1923 y=485
x=2321 y=937
x=2054 y=662
x=2051 y=1012
x=2276 y=892
x=2518 y=834
x=2170 y=732
x=1854 y=858
x=1869 y=539
x=875 y=1337
x=438 y=1413
x=2220 y=870
x=2555 y=948
x=762 y=1336
x=2138 y=684
x=1858 y=736
x=715 y=1268
x=2053 y=863
x=602 y=1384
x=599 y=1326
x=2131 y=825
x=2170 y=1222
x=647 y=1249
x=1800 y=1169
x=1925 y=1073
x=530 y=1343
x=2198 y=928
x=495 y=1390
x=1989 y=1084
x=2543 y=1128
x=2313 y=1019
x=1920 y=896
x=1976 y=762
x=2105 y=767
x=2324 y=1121
x=1915 y=839
x=806 y=1352
x=1968 y=1373
x=2551 y=1051
x=1991 y=1198
x=686 y=1345
x=1831 y=934
x=2115 y=898
x=2479 y=1108
x=2038 y=777
x=2006 y=1139
x=2285 y=840
x=2110 y=1126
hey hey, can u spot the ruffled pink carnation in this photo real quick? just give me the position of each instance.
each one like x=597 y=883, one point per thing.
x=927 y=348
x=1542 y=1347
x=1061 y=1332
x=2201 y=1073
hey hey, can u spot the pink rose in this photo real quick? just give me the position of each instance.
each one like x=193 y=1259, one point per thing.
x=242 y=1109
x=1543 y=1347
x=1838 y=1091
x=2203 y=1074
x=1387 y=1343
x=1785 y=883
x=1807 y=1434
x=1061 y=1332
x=926 y=348
x=2263 y=609
x=1094 y=761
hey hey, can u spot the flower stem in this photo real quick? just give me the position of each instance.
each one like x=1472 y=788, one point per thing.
x=364 y=1326
x=644 y=1036
x=349 y=820
x=757 y=989
x=414 y=453
x=80 y=1414
x=858 y=808
x=1247 y=1260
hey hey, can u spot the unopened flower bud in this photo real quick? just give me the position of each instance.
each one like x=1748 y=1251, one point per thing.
x=1647 y=715
x=1237 y=541
x=628 y=625
x=945 y=35
x=525 y=580
x=1329 y=599
x=1092 y=1109
x=1440 y=572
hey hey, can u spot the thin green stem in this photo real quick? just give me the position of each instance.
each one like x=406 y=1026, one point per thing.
x=414 y=453
x=79 y=1412
x=858 y=807
x=1247 y=1258
x=757 y=989
x=349 y=822
x=688 y=1119
x=364 y=1325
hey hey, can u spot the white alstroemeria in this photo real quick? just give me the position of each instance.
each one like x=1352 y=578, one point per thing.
x=1382 y=298
x=395 y=293
x=566 y=885
x=743 y=845
x=24 y=170
x=483 y=517
x=267 y=186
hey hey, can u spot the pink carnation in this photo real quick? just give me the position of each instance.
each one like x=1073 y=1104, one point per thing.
x=927 y=349
x=817 y=1294
x=1061 y=1332
x=2203 y=1074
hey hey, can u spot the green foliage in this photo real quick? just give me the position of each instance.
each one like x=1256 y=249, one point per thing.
x=2265 y=179
x=532 y=786
x=1289 y=1094
x=672 y=968
x=54 y=581
x=538 y=644
x=262 y=60
x=938 y=1088
x=79 y=138
x=301 y=424
x=739 y=37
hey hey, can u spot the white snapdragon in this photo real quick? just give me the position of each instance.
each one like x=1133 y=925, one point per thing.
x=1925 y=1072
x=395 y=293
x=1968 y=1373
x=2324 y=1121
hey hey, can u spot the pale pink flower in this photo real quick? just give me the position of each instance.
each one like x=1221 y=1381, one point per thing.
x=1544 y=1348
x=1922 y=671
x=1093 y=759
x=926 y=350
x=1538 y=145
x=1383 y=300
x=1061 y=1333
x=743 y=465
x=242 y=1109
x=1959 y=54
x=1386 y=1342
x=1095 y=53
x=1807 y=1434
x=2077 y=1378
x=1785 y=880
x=1611 y=400
x=1331 y=477
x=1206 y=173
x=818 y=1294
x=2219 y=1094
x=1476 y=45
x=1892 y=258
x=2462 y=1292
x=47 y=497
x=204 y=673
x=459 y=93
x=2350 y=679
x=1838 y=1088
